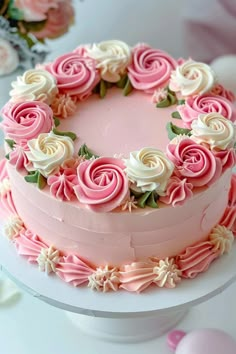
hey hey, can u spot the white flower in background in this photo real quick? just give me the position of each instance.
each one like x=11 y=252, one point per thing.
x=112 y=58
x=168 y=274
x=49 y=151
x=48 y=259
x=5 y=186
x=13 y=226
x=214 y=130
x=149 y=169
x=104 y=279
x=34 y=85
x=192 y=78
x=9 y=59
x=222 y=239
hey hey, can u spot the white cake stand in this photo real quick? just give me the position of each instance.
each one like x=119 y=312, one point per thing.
x=119 y=316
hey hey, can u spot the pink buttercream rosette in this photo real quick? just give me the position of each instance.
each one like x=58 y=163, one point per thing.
x=229 y=217
x=194 y=162
x=177 y=191
x=25 y=121
x=62 y=184
x=17 y=157
x=150 y=68
x=202 y=104
x=102 y=184
x=76 y=75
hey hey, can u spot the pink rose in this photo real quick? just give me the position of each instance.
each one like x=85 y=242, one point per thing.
x=196 y=259
x=220 y=90
x=150 y=68
x=177 y=191
x=58 y=21
x=25 y=121
x=194 y=162
x=75 y=74
x=35 y=10
x=202 y=104
x=102 y=184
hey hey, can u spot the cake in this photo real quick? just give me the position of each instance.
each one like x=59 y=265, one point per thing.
x=118 y=167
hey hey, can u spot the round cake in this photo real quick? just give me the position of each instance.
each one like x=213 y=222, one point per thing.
x=118 y=167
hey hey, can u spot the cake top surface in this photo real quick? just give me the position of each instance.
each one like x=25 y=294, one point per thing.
x=71 y=131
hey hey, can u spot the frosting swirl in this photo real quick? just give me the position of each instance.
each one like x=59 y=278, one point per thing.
x=150 y=68
x=75 y=74
x=222 y=239
x=229 y=219
x=192 y=161
x=62 y=184
x=112 y=58
x=13 y=226
x=214 y=130
x=192 y=78
x=149 y=169
x=73 y=270
x=34 y=85
x=167 y=273
x=203 y=104
x=102 y=184
x=49 y=151
x=104 y=279
x=26 y=120
x=29 y=245
x=177 y=191
x=196 y=259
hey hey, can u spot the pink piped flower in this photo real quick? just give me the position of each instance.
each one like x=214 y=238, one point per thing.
x=3 y=169
x=102 y=184
x=229 y=217
x=73 y=270
x=75 y=75
x=194 y=162
x=220 y=90
x=226 y=157
x=177 y=191
x=150 y=68
x=62 y=184
x=29 y=245
x=196 y=259
x=63 y=105
x=18 y=158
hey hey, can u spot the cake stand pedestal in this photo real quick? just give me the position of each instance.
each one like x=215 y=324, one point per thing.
x=120 y=316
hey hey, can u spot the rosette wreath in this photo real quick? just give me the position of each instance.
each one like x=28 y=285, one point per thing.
x=25 y=23
x=201 y=148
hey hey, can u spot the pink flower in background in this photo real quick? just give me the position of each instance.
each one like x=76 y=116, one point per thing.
x=59 y=19
x=36 y=10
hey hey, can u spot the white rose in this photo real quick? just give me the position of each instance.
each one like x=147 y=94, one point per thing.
x=112 y=58
x=34 y=85
x=9 y=59
x=214 y=130
x=192 y=78
x=49 y=151
x=149 y=169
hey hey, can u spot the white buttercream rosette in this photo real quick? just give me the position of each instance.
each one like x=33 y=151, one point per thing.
x=214 y=130
x=149 y=170
x=112 y=58
x=49 y=151
x=34 y=85
x=192 y=78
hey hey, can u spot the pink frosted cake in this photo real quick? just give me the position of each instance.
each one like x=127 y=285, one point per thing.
x=118 y=167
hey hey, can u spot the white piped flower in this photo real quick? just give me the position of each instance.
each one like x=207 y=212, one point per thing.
x=5 y=186
x=159 y=95
x=104 y=279
x=13 y=226
x=130 y=203
x=168 y=274
x=48 y=259
x=222 y=239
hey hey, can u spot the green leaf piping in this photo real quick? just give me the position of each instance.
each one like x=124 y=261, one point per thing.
x=149 y=199
x=128 y=87
x=122 y=82
x=86 y=152
x=176 y=115
x=36 y=177
x=102 y=89
x=10 y=143
x=71 y=135
x=180 y=102
x=173 y=131
x=56 y=121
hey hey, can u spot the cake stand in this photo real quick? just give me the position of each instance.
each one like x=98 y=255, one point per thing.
x=119 y=316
